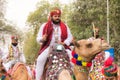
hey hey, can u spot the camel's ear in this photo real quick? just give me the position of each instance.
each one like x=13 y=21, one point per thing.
x=76 y=44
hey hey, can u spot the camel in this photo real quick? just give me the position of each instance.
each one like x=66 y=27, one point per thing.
x=17 y=72
x=84 y=52
x=58 y=65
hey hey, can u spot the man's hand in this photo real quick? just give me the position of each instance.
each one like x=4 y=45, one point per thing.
x=62 y=43
x=8 y=57
x=44 y=37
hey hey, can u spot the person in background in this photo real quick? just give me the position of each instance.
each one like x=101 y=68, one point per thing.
x=13 y=53
x=53 y=31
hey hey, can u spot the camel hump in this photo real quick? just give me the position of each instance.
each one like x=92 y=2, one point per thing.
x=20 y=72
x=63 y=74
x=16 y=66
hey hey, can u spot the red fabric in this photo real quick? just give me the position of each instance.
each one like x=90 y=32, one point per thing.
x=14 y=37
x=89 y=64
x=55 y=12
x=73 y=53
x=48 y=29
x=73 y=60
x=34 y=73
x=108 y=62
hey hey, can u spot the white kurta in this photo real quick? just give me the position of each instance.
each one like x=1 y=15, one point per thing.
x=67 y=41
x=43 y=56
x=15 y=52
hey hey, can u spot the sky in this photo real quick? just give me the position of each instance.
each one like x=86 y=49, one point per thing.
x=18 y=10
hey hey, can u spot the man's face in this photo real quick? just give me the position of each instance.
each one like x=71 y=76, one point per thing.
x=14 y=42
x=55 y=19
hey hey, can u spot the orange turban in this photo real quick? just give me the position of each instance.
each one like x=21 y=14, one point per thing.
x=55 y=12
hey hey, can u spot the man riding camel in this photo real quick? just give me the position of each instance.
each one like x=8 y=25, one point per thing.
x=13 y=53
x=13 y=49
x=54 y=31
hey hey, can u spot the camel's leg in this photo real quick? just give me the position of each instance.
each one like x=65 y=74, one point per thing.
x=64 y=75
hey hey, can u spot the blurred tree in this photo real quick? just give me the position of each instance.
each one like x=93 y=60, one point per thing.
x=83 y=13
x=35 y=19
x=2 y=8
x=31 y=47
x=6 y=27
x=115 y=27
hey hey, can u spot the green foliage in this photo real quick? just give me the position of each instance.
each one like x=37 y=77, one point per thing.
x=115 y=27
x=40 y=15
x=84 y=13
x=35 y=19
x=31 y=47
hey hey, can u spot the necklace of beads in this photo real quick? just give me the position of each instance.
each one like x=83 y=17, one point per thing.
x=79 y=61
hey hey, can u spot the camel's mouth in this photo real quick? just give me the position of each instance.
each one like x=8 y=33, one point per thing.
x=104 y=45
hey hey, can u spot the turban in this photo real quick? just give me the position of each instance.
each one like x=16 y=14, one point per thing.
x=14 y=37
x=55 y=12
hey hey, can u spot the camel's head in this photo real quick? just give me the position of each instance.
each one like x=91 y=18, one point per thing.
x=88 y=49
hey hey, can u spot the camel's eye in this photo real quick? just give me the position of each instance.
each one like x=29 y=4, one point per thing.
x=89 y=45
x=76 y=44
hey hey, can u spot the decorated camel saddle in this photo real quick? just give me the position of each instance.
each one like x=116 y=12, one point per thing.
x=17 y=72
x=104 y=67
x=83 y=54
x=58 y=65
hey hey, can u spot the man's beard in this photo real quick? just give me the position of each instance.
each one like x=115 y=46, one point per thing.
x=14 y=44
x=56 y=21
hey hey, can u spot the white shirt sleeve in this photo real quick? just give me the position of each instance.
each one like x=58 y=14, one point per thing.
x=69 y=37
x=40 y=32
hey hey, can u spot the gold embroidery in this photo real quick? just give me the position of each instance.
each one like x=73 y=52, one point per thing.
x=11 y=52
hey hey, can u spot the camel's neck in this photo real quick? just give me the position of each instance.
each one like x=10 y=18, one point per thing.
x=82 y=69
x=81 y=72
